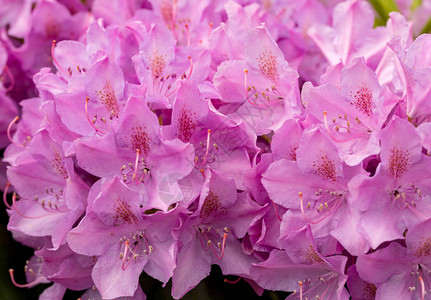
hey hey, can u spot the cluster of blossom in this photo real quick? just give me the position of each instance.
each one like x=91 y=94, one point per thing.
x=287 y=142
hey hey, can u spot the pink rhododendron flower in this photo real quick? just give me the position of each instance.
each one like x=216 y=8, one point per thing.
x=285 y=143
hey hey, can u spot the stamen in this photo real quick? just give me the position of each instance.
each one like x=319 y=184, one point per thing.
x=174 y=12
x=275 y=209
x=126 y=248
x=415 y=211
x=211 y=25
x=207 y=149
x=223 y=246
x=98 y=131
x=325 y=120
x=303 y=212
x=422 y=288
x=22 y=214
x=55 y=61
x=300 y=289
x=280 y=13
x=174 y=17
x=134 y=177
x=11 y=79
x=188 y=34
x=27 y=285
x=4 y=195
x=8 y=132
x=191 y=66
x=232 y=282
x=245 y=87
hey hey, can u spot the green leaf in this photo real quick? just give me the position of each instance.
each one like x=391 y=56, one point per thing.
x=383 y=8
x=415 y=4
x=427 y=27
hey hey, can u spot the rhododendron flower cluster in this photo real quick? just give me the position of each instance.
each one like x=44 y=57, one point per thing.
x=287 y=142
